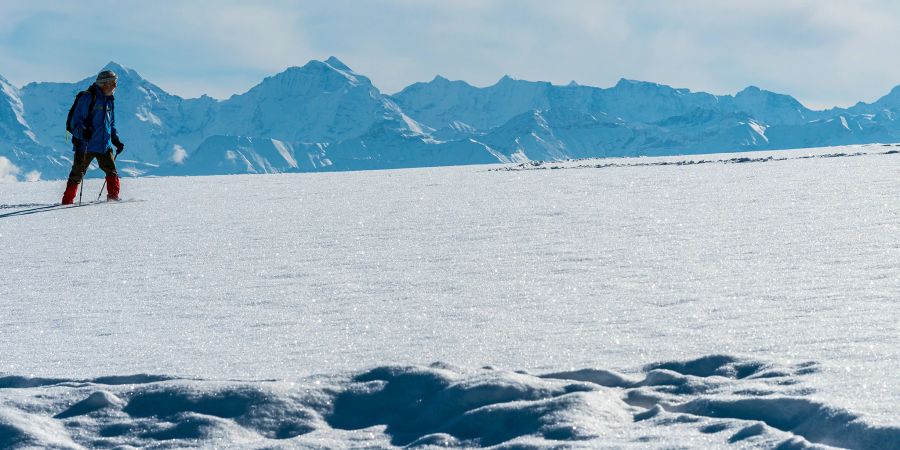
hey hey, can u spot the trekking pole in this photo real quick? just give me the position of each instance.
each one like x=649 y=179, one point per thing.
x=104 y=181
x=80 y=189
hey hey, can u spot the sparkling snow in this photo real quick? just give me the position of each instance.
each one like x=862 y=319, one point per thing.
x=751 y=302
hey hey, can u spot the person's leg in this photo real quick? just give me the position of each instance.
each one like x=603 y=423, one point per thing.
x=80 y=163
x=108 y=165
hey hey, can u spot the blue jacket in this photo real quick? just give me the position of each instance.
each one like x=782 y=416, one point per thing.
x=102 y=122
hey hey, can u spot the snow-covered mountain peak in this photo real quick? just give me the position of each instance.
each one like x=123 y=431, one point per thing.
x=133 y=90
x=889 y=101
x=626 y=83
x=124 y=73
x=895 y=92
x=753 y=93
x=337 y=64
x=7 y=88
x=10 y=95
x=443 y=82
x=773 y=97
x=648 y=88
x=4 y=81
x=505 y=79
x=322 y=101
x=437 y=87
x=329 y=72
x=772 y=107
x=519 y=87
x=17 y=139
x=509 y=82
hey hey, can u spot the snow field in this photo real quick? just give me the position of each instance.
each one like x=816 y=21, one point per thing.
x=786 y=271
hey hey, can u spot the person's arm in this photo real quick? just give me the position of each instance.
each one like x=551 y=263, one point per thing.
x=112 y=125
x=79 y=131
x=115 y=134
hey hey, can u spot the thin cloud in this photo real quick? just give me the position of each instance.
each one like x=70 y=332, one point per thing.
x=179 y=154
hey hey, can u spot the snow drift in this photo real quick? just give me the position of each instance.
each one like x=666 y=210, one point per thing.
x=719 y=398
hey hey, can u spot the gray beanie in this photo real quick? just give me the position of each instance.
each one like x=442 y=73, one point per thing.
x=106 y=76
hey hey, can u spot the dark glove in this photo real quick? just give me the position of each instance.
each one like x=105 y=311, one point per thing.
x=86 y=134
x=120 y=147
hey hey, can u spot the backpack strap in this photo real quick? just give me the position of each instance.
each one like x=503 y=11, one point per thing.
x=90 y=114
x=90 y=108
x=93 y=102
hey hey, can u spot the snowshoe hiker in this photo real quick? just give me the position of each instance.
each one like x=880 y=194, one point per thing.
x=92 y=122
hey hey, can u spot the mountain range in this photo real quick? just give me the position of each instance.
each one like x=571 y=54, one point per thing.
x=323 y=116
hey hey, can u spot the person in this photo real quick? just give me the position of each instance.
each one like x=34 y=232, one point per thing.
x=94 y=136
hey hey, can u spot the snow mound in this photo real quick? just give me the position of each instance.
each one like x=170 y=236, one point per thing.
x=713 y=401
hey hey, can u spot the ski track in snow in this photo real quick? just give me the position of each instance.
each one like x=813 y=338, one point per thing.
x=711 y=402
x=336 y=289
x=41 y=209
x=26 y=205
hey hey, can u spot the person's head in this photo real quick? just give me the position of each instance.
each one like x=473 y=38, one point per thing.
x=106 y=80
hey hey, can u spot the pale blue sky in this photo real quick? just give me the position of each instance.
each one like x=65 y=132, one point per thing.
x=824 y=52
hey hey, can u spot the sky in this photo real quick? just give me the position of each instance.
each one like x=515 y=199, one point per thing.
x=823 y=52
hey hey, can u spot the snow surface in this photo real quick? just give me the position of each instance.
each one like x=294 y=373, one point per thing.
x=715 y=301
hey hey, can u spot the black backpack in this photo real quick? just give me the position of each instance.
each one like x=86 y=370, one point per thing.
x=72 y=108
